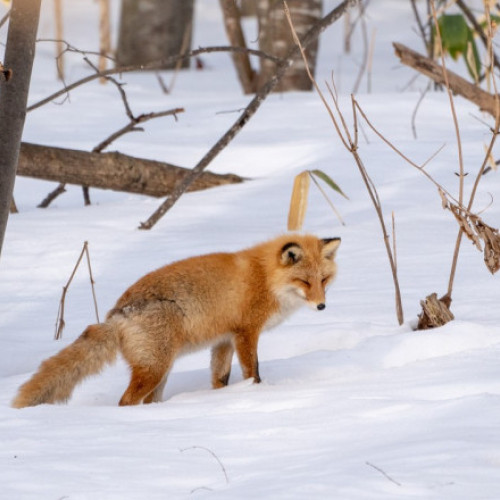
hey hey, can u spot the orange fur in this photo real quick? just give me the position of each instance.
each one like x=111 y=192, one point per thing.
x=224 y=300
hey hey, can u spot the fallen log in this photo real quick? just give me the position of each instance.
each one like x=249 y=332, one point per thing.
x=115 y=171
x=484 y=100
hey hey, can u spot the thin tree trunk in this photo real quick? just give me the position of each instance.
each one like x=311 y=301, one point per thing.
x=114 y=171
x=236 y=38
x=104 y=36
x=19 y=55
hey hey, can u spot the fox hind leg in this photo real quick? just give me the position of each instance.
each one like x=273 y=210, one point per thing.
x=143 y=383
x=156 y=396
x=222 y=355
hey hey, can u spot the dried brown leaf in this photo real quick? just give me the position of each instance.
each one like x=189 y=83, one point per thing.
x=298 y=202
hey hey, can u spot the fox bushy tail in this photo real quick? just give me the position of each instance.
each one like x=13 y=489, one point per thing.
x=57 y=376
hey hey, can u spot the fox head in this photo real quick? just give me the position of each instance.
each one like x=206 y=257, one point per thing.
x=306 y=267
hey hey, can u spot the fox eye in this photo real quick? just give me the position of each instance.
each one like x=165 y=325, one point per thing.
x=306 y=283
x=325 y=280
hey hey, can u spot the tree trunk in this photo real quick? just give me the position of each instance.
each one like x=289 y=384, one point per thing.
x=151 y=30
x=19 y=55
x=114 y=171
x=236 y=38
x=276 y=39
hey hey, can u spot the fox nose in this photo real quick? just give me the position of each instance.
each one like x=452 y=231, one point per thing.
x=320 y=307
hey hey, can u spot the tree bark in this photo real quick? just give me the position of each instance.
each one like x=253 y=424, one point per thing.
x=487 y=102
x=19 y=55
x=151 y=30
x=236 y=38
x=114 y=171
x=276 y=38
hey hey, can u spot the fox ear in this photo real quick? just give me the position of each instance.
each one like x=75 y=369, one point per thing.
x=291 y=253
x=330 y=246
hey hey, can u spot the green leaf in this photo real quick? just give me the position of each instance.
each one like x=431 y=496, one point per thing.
x=328 y=180
x=455 y=34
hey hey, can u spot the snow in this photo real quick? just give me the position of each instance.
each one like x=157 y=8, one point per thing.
x=352 y=406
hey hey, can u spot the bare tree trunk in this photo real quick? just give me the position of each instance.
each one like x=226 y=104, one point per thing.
x=114 y=171
x=19 y=55
x=247 y=8
x=104 y=35
x=151 y=30
x=276 y=39
x=236 y=38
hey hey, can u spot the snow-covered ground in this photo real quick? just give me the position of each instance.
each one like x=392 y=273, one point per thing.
x=352 y=406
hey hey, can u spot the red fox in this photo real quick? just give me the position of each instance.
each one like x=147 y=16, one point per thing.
x=223 y=299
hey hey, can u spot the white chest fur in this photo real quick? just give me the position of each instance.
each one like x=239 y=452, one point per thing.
x=289 y=301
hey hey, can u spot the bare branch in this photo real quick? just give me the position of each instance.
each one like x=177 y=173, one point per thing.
x=150 y=66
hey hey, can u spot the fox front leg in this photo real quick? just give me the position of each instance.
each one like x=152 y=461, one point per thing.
x=246 y=349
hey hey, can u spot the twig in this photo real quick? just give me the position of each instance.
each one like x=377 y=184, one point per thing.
x=250 y=110
x=208 y=450
x=60 y=189
x=364 y=62
x=369 y=67
x=186 y=42
x=92 y=282
x=60 y=313
x=132 y=126
x=378 y=469
x=402 y=155
x=322 y=191
x=394 y=248
x=452 y=106
x=417 y=106
x=4 y=18
x=420 y=25
x=150 y=66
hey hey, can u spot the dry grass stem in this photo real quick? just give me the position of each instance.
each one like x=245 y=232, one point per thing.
x=452 y=106
x=322 y=191
x=60 y=323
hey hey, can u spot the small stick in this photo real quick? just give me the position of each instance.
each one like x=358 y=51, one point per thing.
x=92 y=282
x=322 y=191
x=208 y=450
x=60 y=324
x=415 y=111
x=378 y=469
x=370 y=62
x=394 y=252
x=4 y=18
